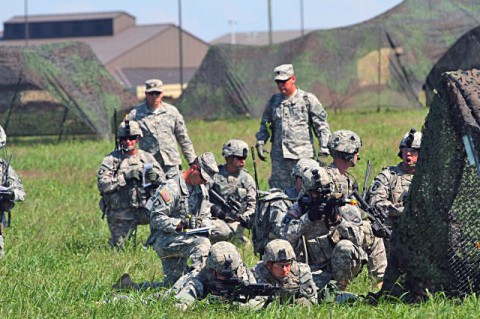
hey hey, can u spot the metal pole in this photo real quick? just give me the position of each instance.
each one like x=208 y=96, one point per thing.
x=27 y=35
x=232 y=31
x=270 y=41
x=302 y=28
x=180 y=44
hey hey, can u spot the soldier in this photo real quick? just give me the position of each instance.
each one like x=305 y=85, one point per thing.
x=291 y=115
x=280 y=268
x=390 y=187
x=179 y=204
x=11 y=191
x=344 y=261
x=223 y=262
x=125 y=180
x=271 y=213
x=237 y=189
x=163 y=127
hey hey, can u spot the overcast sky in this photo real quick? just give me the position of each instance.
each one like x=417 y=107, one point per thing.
x=209 y=19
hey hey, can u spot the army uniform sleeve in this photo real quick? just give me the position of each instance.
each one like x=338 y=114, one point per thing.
x=263 y=135
x=181 y=134
x=156 y=167
x=193 y=289
x=107 y=179
x=161 y=206
x=296 y=227
x=308 y=289
x=250 y=198
x=15 y=182
x=379 y=194
x=318 y=117
x=278 y=212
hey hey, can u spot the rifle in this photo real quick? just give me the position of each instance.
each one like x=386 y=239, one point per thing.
x=376 y=216
x=254 y=160
x=7 y=208
x=231 y=206
x=365 y=181
x=115 y=130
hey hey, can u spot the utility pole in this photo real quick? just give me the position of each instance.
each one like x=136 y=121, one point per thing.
x=270 y=41
x=302 y=28
x=180 y=44
x=232 y=31
x=27 y=33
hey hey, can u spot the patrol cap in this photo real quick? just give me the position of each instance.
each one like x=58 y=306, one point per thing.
x=278 y=250
x=153 y=85
x=283 y=72
x=208 y=166
x=223 y=256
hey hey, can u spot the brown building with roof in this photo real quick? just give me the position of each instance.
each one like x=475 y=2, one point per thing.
x=131 y=53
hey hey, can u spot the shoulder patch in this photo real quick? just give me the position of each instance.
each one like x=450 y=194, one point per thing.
x=166 y=196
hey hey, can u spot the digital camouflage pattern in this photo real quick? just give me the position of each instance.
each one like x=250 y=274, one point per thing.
x=123 y=201
x=3 y=138
x=162 y=130
x=279 y=250
x=6 y=204
x=235 y=148
x=292 y=121
x=435 y=246
x=241 y=187
x=175 y=201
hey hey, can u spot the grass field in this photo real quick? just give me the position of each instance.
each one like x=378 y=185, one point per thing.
x=59 y=264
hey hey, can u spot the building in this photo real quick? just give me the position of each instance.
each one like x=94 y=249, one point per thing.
x=131 y=53
x=259 y=37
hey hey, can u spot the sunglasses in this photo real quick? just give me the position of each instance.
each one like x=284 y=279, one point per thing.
x=240 y=158
x=153 y=93
x=130 y=138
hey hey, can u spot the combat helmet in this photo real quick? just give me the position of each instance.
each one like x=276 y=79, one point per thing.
x=223 y=256
x=344 y=144
x=316 y=179
x=411 y=139
x=302 y=165
x=129 y=128
x=278 y=250
x=235 y=148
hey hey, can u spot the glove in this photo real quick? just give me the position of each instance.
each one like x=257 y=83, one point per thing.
x=133 y=174
x=217 y=212
x=8 y=195
x=152 y=177
x=260 y=151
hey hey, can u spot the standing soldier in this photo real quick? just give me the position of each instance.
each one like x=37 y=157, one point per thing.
x=163 y=127
x=291 y=115
x=390 y=187
x=280 y=268
x=236 y=189
x=181 y=203
x=122 y=181
x=11 y=191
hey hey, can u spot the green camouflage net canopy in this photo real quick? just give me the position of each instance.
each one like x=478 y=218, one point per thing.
x=436 y=246
x=58 y=89
x=379 y=63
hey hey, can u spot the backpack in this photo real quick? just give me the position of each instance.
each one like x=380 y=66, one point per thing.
x=262 y=225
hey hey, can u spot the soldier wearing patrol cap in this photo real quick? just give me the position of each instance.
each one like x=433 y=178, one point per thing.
x=237 y=188
x=223 y=258
x=390 y=188
x=280 y=268
x=293 y=116
x=163 y=128
x=125 y=180
x=180 y=206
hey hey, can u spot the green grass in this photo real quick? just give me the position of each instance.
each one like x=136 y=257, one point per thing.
x=59 y=264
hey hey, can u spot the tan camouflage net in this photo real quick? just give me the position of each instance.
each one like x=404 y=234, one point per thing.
x=437 y=244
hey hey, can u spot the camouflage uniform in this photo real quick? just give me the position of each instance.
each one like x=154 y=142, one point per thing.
x=240 y=187
x=174 y=202
x=6 y=204
x=291 y=120
x=300 y=277
x=124 y=201
x=198 y=284
x=162 y=130
x=390 y=187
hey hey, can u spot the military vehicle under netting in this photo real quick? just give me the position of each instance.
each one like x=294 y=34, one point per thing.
x=436 y=246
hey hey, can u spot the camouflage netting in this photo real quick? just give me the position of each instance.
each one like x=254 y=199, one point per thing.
x=437 y=243
x=380 y=63
x=58 y=89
